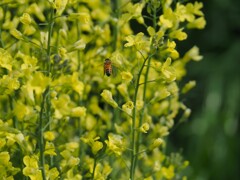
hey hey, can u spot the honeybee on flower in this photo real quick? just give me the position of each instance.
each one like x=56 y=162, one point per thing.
x=107 y=67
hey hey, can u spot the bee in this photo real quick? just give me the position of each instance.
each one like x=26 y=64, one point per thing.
x=107 y=67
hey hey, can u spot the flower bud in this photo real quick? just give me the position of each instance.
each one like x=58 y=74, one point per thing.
x=49 y=135
x=188 y=86
x=26 y=19
x=79 y=45
x=128 y=107
x=17 y=34
x=144 y=128
x=78 y=112
x=107 y=96
x=156 y=143
x=96 y=146
x=126 y=76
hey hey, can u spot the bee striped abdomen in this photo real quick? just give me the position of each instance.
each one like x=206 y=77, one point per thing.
x=107 y=67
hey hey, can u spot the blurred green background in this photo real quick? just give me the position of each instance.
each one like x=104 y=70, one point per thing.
x=210 y=138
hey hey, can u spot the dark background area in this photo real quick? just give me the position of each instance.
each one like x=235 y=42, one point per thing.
x=210 y=138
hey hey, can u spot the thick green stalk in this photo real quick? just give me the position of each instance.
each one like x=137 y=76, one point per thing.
x=94 y=167
x=50 y=29
x=46 y=101
x=139 y=137
x=81 y=152
x=133 y=128
x=78 y=52
x=41 y=143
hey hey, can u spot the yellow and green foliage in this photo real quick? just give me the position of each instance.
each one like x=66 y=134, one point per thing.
x=62 y=118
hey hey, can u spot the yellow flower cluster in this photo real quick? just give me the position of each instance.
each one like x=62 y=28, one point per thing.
x=62 y=118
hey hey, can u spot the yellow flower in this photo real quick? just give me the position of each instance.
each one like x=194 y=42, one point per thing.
x=139 y=104
x=161 y=94
x=1 y=14
x=144 y=128
x=66 y=154
x=182 y=13
x=52 y=173
x=21 y=110
x=6 y=60
x=168 y=173
x=29 y=30
x=122 y=88
x=135 y=11
x=168 y=71
x=151 y=31
x=82 y=17
x=107 y=96
x=71 y=146
x=188 y=86
x=73 y=161
x=198 y=23
x=163 y=131
x=7 y=170
x=50 y=149
x=77 y=85
x=186 y=115
x=139 y=41
x=4 y=158
x=130 y=41
x=156 y=143
x=31 y=168
x=193 y=54
x=178 y=34
x=115 y=144
x=78 y=112
x=61 y=106
x=96 y=146
x=37 y=11
x=26 y=19
x=62 y=52
x=60 y=5
x=168 y=19
x=79 y=45
x=38 y=83
x=49 y=135
x=17 y=34
x=195 y=8
x=128 y=107
x=126 y=76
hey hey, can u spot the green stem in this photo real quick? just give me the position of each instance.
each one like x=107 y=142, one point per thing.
x=41 y=139
x=133 y=128
x=46 y=100
x=78 y=52
x=139 y=137
x=154 y=18
x=94 y=167
x=50 y=29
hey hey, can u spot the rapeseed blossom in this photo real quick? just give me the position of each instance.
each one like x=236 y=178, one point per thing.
x=107 y=96
x=61 y=118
